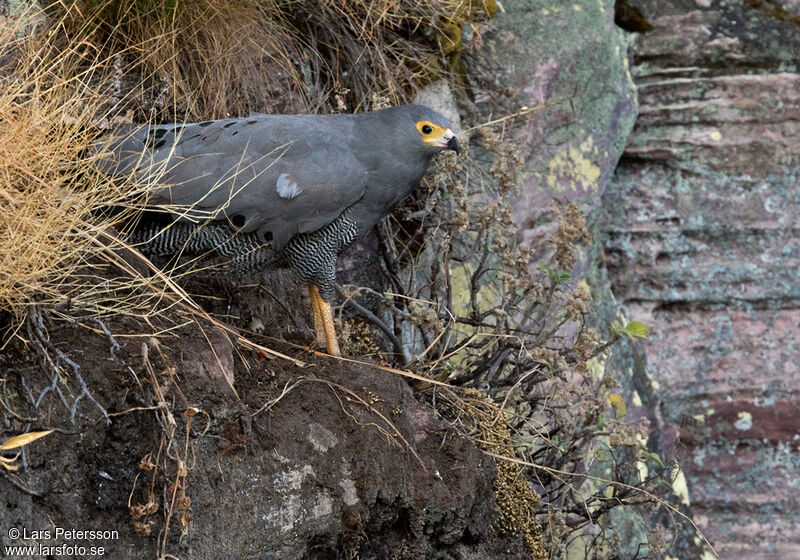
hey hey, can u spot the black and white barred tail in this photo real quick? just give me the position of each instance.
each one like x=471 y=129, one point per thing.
x=246 y=253
x=312 y=255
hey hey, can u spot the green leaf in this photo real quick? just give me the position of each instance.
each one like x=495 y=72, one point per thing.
x=665 y=483
x=618 y=404
x=654 y=457
x=637 y=329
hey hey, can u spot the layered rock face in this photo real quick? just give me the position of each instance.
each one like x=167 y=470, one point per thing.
x=701 y=235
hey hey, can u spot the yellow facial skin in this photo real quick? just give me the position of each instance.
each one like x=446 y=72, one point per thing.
x=434 y=135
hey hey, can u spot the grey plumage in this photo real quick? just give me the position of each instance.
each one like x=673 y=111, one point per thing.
x=278 y=189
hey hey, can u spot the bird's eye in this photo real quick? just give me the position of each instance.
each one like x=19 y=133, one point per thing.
x=426 y=129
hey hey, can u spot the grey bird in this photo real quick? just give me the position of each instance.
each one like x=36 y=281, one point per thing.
x=271 y=190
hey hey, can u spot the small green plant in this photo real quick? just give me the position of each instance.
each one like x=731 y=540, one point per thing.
x=633 y=329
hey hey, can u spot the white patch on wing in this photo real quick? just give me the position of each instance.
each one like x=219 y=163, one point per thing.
x=287 y=187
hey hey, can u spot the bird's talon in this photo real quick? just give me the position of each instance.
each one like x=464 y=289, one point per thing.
x=323 y=322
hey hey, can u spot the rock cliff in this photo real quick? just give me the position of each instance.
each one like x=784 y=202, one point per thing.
x=700 y=240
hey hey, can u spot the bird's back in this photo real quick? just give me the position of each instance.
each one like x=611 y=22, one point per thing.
x=278 y=175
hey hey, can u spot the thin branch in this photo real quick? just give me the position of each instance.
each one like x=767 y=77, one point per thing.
x=375 y=320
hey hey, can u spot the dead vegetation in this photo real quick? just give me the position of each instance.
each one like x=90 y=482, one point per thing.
x=465 y=303
x=517 y=502
x=46 y=228
x=483 y=313
x=203 y=59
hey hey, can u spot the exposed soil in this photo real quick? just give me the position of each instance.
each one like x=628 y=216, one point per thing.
x=347 y=464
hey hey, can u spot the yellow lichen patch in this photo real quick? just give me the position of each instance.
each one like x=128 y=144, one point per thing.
x=653 y=382
x=700 y=418
x=574 y=168
x=488 y=297
x=744 y=421
x=641 y=465
x=597 y=366
x=618 y=404
x=679 y=485
x=460 y=277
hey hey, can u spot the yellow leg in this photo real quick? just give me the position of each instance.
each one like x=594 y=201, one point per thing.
x=316 y=312
x=323 y=321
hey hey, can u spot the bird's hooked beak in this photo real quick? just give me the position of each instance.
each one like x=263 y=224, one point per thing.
x=450 y=141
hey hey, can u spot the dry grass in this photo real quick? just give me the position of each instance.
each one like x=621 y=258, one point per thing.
x=204 y=59
x=516 y=500
x=192 y=60
x=59 y=214
x=49 y=192
x=58 y=239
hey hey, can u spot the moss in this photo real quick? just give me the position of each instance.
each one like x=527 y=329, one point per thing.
x=450 y=38
x=516 y=500
x=490 y=6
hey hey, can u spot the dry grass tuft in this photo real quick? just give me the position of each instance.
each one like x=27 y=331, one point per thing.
x=49 y=192
x=203 y=59
x=191 y=60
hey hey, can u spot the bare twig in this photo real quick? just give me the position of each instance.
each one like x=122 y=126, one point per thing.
x=375 y=320
x=17 y=483
x=614 y=483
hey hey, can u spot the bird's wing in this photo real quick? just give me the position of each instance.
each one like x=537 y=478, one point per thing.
x=279 y=175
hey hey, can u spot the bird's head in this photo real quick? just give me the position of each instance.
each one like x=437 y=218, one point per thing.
x=425 y=129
